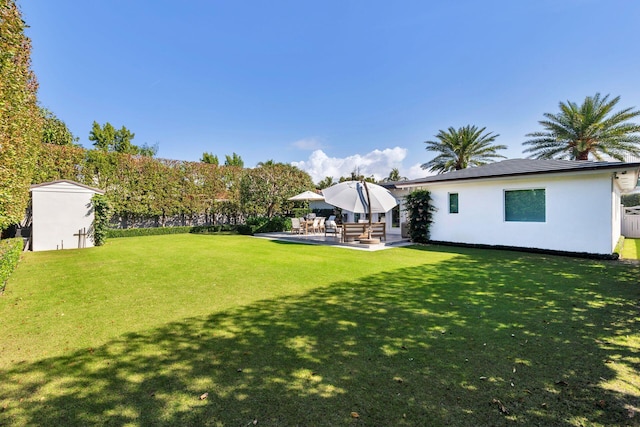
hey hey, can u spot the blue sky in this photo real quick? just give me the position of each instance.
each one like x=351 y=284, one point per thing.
x=327 y=85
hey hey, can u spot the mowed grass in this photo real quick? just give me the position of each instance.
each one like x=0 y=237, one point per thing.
x=631 y=249
x=236 y=331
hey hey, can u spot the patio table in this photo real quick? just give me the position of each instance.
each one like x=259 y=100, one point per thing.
x=308 y=225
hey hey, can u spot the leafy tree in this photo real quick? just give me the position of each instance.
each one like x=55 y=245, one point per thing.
x=264 y=190
x=461 y=148
x=591 y=128
x=108 y=138
x=327 y=182
x=104 y=137
x=394 y=176
x=234 y=160
x=20 y=119
x=148 y=150
x=210 y=158
x=54 y=130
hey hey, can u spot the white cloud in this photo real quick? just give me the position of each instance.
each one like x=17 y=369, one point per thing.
x=308 y=144
x=377 y=163
x=416 y=171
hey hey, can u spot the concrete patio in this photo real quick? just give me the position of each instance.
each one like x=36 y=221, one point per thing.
x=392 y=241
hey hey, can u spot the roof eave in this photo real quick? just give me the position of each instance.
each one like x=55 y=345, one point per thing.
x=614 y=167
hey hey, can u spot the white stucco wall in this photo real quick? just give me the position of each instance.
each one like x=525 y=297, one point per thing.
x=579 y=215
x=616 y=215
x=59 y=211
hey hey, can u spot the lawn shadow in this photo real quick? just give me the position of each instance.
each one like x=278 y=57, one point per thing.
x=485 y=338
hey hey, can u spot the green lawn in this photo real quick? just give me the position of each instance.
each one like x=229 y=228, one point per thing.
x=631 y=249
x=279 y=334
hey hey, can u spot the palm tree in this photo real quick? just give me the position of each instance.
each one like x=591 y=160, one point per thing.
x=394 y=176
x=325 y=183
x=591 y=128
x=462 y=148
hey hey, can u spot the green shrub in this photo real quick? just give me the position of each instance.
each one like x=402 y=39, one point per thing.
x=102 y=213
x=209 y=229
x=420 y=211
x=261 y=224
x=275 y=224
x=246 y=230
x=10 y=250
x=157 y=231
x=629 y=200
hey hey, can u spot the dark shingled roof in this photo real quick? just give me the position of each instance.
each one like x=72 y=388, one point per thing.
x=517 y=167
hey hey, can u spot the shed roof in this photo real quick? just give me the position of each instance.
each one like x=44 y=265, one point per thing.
x=522 y=167
x=65 y=181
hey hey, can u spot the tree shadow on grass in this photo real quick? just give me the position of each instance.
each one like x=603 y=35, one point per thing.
x=485 y=338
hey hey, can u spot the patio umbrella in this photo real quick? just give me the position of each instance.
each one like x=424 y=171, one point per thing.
x=360 y=197
x=307 y=196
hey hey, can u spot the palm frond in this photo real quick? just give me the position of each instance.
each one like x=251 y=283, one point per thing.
x=591 y=128
x=461 y=148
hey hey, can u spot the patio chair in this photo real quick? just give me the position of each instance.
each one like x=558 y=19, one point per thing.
x=295 y=226
x=304 y=225
x=321 y=225
x=316 y=225
x=331 y=227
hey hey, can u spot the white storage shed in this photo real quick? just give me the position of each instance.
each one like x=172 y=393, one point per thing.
x=62 y=215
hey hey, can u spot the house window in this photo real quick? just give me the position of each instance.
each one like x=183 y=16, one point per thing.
x=525 y=205
x=453 y=203
x=395 y=217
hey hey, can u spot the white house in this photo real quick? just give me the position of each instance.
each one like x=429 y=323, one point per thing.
x=556 y=205
x=62 y=215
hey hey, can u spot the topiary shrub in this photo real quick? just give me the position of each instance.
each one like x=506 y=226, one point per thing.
x=420 y=209
x=10 y=250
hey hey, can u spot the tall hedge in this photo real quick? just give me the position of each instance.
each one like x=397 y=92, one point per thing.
x=20 y=119
x=142 y=186
x=10 y=250
x=146 y=187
